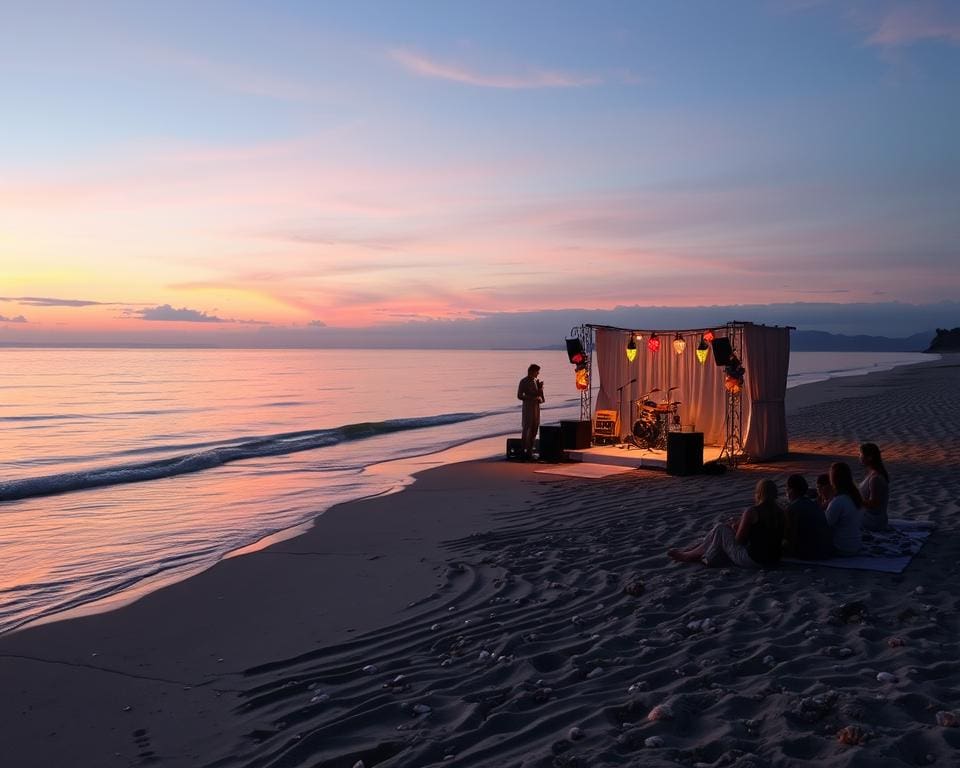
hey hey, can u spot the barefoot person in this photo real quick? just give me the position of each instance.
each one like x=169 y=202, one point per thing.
x=875 y=488
x=844 y=514
x=755 y=541
x=530 y=392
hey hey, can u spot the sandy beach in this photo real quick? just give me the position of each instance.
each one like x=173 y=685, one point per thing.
x=488 y=615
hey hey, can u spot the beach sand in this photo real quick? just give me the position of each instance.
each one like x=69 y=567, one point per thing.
x=481 y=617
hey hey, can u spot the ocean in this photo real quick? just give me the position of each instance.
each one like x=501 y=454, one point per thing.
x=124 y=469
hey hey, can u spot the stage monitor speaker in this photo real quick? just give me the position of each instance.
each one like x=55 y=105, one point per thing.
x=514 y=448
x=722 y=350
x=551 y=443
x=575 y=435
x=684 y=453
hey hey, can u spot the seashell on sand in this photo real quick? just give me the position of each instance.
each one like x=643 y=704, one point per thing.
x=660 y=712
x=852 y=735
x=948 y=719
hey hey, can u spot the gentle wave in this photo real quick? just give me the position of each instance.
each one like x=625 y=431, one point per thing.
x=271 y=445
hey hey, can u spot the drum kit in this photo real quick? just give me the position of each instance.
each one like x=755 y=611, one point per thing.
x=654 y=420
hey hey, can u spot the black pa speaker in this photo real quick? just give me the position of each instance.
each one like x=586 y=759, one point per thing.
x=722 y=350
x=551 y=444
x=575 y=435
x=684 y=453
x=575 y=353
x=514 y=448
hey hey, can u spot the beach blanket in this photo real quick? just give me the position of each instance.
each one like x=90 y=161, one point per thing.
x=584 y=469
x=888 y=551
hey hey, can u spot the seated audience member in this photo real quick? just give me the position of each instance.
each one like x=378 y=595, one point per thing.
x=824 y=490
x=875 y=488
x=844 y=514
x=754 y=542
x=808 y=535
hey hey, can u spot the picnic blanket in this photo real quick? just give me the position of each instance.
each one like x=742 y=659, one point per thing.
x=889 y=551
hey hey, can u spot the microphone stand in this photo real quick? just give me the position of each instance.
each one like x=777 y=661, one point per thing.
x=620 y=411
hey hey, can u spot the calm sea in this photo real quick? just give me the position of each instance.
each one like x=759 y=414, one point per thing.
x=124 y=469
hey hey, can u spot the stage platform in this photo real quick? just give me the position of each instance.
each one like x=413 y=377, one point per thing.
x=636 y=458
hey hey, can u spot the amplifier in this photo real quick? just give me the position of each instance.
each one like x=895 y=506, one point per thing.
x=575 y=434
x=606 y=424
x=684 y=453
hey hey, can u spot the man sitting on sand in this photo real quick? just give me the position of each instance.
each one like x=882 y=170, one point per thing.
x=754 y=542
x=808 y=535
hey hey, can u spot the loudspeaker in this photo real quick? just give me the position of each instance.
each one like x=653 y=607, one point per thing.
x=575 y=435
x=514 y=448
x=722 y=350
x=684 y=453
x=575 y=353
x=551 y=444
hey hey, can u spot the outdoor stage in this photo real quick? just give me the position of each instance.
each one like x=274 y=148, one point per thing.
x=620 y=456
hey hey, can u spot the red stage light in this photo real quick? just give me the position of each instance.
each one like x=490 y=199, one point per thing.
x=653 y=344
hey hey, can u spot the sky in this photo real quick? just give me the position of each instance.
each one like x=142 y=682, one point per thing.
x=333 y=173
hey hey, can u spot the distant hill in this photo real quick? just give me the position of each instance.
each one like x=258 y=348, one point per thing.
x=820 y=341
x=945 y=341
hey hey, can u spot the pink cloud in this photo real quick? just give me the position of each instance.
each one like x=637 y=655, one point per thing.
x=916 y=22
x=425 y=66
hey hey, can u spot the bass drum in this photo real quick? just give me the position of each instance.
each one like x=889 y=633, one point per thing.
x=643 y=430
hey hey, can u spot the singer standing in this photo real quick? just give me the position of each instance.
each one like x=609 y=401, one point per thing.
x=530 y=391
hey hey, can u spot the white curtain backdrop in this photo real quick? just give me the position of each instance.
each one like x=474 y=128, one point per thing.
x=699 y=386
x=766 y=359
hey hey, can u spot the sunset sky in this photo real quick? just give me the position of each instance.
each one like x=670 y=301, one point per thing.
x=267 y=172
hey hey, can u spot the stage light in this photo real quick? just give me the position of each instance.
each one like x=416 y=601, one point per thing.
x=679 y=345
x=632 y=349
x=653 y=344
x=708 y=336
x=583 y=377
x=732 y=384
x=703 y=349
x=575 y=353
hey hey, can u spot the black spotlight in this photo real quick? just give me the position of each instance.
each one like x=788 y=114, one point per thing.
x=575 y=353
x=722 y=350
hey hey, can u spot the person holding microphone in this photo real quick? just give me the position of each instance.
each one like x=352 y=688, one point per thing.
x=530 y=393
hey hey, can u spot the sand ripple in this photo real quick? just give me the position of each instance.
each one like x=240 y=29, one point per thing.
x=532 y=653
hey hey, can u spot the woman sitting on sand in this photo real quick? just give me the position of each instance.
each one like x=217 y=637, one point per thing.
x=753 y=542
x=844 y=514
x=875 y=488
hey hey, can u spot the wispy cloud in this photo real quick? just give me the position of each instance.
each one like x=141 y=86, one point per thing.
x=527 y=78
x=229 y=77
x=917 y=22
x=17 y=319
x=43 y=301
